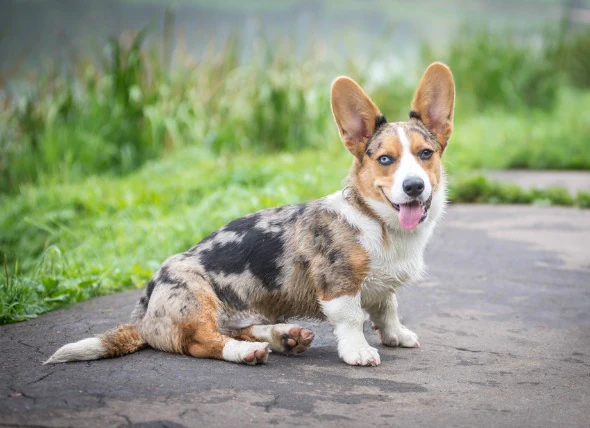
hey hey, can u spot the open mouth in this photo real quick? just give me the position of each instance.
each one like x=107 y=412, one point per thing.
x=411 y=213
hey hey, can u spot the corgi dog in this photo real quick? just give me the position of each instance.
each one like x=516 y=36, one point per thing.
x=337 y=258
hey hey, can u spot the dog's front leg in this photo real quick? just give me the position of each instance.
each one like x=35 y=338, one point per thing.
x=347 y=317
x=385 y=319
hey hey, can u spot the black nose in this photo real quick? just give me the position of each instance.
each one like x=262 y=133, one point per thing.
x=413 y=186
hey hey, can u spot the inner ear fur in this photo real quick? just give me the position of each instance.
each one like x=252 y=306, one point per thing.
x=434 y=101
x=355 y=114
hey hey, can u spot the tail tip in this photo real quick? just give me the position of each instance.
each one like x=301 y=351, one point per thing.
x=83 y=350
x=52 y=360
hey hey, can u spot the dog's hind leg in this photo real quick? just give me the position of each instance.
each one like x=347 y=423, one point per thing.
x=183 y=319
x=200 y=337
x=285 y=338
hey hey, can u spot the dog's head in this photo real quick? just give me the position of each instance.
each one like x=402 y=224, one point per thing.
x=397 y=165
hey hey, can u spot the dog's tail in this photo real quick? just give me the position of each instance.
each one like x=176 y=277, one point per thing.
x=122 y=340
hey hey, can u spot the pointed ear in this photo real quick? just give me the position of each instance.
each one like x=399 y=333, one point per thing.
x=355 y=114
x=434 y=101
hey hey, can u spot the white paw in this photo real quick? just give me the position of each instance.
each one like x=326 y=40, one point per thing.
x=403 y=337
x=365 y=356
x=251 y=353
x=257 y=353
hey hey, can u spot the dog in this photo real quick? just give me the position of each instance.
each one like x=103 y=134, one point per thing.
x=337 y=258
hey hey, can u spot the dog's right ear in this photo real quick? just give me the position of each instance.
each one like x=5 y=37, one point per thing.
x=355 y=114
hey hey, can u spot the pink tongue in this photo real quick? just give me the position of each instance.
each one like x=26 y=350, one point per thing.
x=410 y=215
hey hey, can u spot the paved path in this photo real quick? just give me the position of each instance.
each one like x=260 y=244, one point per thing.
x=503 y=319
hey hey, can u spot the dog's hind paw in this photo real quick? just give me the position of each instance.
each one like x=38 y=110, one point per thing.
x=250 y=353
x=296 y=340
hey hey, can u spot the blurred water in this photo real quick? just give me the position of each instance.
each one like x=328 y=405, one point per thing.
x=34 y=31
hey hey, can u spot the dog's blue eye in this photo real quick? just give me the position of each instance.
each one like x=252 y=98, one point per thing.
x=425 y=154
x=385 y=160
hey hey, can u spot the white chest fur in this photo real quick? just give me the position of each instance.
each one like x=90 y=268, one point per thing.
x=396 y=259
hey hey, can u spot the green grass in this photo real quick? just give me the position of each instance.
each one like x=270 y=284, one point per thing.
x=479 y=189
x=502 y=139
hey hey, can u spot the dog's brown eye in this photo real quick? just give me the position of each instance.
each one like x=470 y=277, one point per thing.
x=385 y=160
x=425 y=154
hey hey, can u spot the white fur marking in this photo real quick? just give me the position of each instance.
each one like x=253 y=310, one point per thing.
x=83 y=350
x=347 y=317
x=262 y=332
x=391 y=330
x=236 y=351
x=408 y=167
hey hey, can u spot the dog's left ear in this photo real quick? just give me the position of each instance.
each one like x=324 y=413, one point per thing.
x=434 y=101
x=355 y=114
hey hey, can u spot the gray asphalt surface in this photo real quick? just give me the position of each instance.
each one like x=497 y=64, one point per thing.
x=503 y=319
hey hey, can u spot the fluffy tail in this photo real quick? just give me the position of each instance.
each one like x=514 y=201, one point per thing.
x=122 y=340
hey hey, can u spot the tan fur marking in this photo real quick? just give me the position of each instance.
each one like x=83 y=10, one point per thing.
x=360 y=261
x=246 y=334
x=369 y=176
x=200 y=336
x=124 y=339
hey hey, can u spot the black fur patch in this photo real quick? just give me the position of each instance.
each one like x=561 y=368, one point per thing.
x=150 y=289
x=415 y=115
x=228 y=296
x=379 y=122
x=243 y=224
x=334 y=255
x=166 y=278
x=259 y=251
x=164 y=275
x=144 y=300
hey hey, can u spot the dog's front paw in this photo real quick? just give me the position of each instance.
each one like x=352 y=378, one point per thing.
x=403 y=337
x=407 y=338
x=365 y=356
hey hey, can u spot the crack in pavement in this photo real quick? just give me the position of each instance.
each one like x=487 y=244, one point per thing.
x=42 y=377
x=474 y=351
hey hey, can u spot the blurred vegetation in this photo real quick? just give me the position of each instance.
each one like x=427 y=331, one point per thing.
x=114 y=164
x=498 y=70
x=111 y=115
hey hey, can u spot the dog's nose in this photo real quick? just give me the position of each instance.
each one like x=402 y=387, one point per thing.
x=413 y=186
